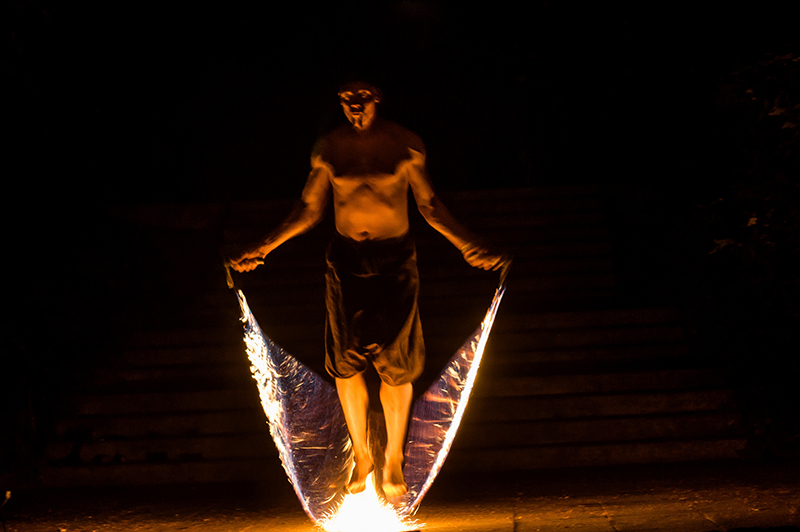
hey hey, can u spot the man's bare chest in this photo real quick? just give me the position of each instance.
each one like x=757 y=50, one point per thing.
x=358 y=160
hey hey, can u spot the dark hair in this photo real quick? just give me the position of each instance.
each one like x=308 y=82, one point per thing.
x=354 y=75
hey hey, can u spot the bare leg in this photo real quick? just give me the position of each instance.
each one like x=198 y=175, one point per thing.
x=355 y=401
x=396 y=401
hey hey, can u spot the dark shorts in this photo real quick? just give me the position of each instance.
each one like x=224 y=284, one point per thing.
x=371 y=298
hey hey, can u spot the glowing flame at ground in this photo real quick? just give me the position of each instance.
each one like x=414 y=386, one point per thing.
x=366 y=512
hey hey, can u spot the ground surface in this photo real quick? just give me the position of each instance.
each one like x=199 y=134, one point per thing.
x=686 y=498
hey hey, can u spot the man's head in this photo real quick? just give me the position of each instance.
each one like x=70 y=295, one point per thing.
x=359 y=100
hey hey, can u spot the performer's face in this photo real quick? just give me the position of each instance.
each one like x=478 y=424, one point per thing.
x=358 y=101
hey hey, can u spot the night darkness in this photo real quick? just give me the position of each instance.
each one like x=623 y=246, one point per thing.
x=130 y=103
x=144 y=103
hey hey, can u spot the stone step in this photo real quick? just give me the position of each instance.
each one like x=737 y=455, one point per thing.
x=489 y=434
x=691 y=425
x=595 y=318
x=206 y=340
x=592 y=384
x=510 y=342
x=536 y=323
x=505 y=445
x=305 y=307
x=163 y=449
x=585 y=291
x=614 y=395
x=518 y=320
x=542 y=372
x=310 y=313
x=172 y=377
x=520 y=340
x=529 y=408
x=604 y=454
x=604 y=383
x=169 y=371
x=154 y=473
x=563 y=361
x=631 y=342
x=252 y=437
x=460 y=460
x=162 y=402
x=495 y=381
x=203 y=422
x=181 y=355
x=508 y=345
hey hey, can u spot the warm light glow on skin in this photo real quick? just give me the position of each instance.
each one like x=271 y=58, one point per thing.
x=358 y=103
x=368 y=170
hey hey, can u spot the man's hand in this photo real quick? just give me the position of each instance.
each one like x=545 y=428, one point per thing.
x=248 y=260
x=479 y=256
x=246 y=265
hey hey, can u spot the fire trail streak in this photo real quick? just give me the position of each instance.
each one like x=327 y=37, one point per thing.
x=308 y=426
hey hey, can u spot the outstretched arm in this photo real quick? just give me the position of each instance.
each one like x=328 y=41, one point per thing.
x=307 y=213
x=436 y=214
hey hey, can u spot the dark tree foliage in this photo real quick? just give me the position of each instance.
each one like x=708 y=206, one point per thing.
x=743 y=265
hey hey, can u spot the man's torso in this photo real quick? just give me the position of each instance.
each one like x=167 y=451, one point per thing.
x=369 y=177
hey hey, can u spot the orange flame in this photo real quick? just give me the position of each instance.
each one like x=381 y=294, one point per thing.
x=366 y=512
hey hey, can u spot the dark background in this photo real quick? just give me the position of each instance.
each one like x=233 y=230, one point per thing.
x=130 y=103
x=144 y=102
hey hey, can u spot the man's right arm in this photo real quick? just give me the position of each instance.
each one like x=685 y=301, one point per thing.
x=307 y=213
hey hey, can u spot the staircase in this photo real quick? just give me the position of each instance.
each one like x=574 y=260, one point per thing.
x=571 y=376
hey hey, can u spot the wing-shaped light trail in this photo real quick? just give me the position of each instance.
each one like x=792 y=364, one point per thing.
x=437 y=413
x=309 y=429
x=305 y=419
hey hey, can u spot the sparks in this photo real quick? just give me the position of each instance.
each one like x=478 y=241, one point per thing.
x=366 y=512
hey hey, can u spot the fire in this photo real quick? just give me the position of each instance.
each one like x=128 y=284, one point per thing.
x=366 y=512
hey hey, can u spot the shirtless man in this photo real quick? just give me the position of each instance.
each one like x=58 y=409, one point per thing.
x=372 y=281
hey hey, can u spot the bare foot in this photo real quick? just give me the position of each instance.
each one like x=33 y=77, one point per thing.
x=394 y=485
x=358 y=478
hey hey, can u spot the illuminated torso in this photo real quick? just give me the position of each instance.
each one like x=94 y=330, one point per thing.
x=368 y=172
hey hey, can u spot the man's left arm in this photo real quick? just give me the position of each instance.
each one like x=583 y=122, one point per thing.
x=475 y=252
